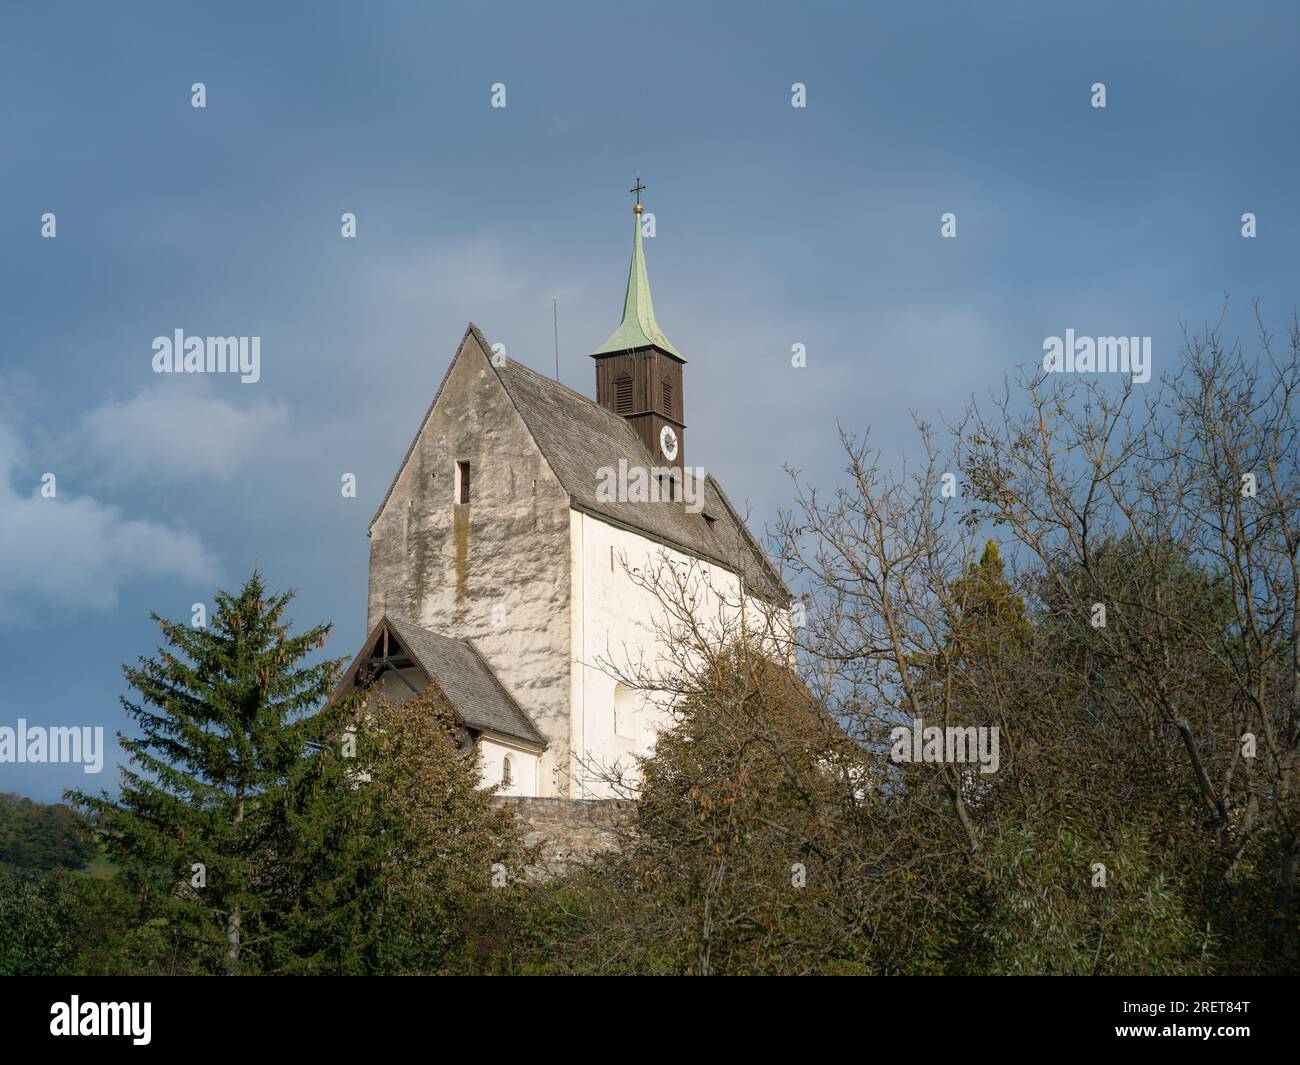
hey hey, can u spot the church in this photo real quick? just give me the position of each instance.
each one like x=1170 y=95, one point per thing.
x=504 y=570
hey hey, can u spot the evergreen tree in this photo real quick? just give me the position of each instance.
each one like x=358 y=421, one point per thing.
x=202 y=828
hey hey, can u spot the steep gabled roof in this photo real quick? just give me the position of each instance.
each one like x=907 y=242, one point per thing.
x=480 y=700
x=577 y=437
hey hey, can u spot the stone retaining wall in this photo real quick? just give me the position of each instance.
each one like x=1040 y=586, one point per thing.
x=569 y=831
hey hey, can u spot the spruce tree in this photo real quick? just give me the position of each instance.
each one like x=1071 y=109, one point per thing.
x=212 y=806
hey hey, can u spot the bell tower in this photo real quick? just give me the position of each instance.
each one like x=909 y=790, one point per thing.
x=638 y=371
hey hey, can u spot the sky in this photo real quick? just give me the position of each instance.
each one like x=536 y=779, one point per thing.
x=775 y=225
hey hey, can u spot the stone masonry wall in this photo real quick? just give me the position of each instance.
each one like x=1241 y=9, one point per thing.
x=495 y=569
x=570 y=831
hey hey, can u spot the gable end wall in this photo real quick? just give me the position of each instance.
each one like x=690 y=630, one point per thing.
x=497 y=569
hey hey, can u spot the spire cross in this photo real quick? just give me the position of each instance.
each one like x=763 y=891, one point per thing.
x=638 y=188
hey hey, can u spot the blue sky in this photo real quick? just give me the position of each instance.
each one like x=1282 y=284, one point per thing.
x=774 y=226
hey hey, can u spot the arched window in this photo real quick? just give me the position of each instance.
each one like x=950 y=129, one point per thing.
x=506 y=772
x=625 y=708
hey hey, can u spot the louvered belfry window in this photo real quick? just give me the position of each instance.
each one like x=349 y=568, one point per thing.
x=623 y=394
x=668 y=397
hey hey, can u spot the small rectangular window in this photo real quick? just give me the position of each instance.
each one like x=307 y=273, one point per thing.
x=462 y=482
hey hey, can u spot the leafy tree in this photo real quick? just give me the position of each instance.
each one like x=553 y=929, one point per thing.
x=1051 y=913
x=759 y=844
x=416 y=864
x=35 y=835
x=1175 y=508
x=36 y=920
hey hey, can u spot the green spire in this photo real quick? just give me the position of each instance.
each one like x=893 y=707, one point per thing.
x=638 y=328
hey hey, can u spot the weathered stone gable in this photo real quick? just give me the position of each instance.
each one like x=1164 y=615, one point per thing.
x=497 y=569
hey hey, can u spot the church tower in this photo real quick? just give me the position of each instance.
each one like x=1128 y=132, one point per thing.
x=638 y=371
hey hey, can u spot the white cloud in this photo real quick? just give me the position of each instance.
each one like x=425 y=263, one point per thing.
x=70 y=553
x=178 y=431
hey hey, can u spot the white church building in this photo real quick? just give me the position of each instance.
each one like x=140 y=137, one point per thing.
x=503 y=558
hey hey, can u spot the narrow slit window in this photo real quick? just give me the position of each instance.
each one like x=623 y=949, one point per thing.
x=507 y=774
x=462 y=482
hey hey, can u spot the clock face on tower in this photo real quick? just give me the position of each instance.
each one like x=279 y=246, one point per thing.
x=668 y=442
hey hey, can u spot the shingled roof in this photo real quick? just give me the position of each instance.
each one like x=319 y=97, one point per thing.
x=456 y=667
x=578 y=436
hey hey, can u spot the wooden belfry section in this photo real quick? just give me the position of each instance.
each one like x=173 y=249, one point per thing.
x=645 y=387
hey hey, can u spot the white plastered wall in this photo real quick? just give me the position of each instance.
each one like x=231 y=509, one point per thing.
x=613 y=622
x=524 y=766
